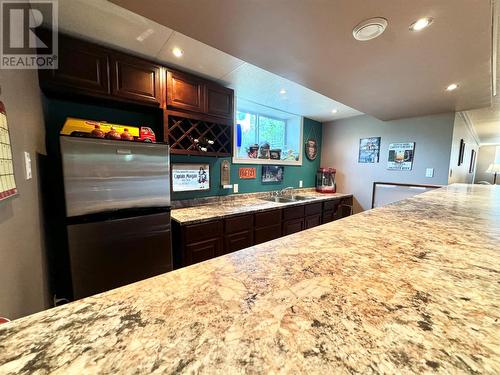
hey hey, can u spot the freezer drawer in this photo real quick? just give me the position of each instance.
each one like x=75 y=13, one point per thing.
x=108 y=254
x=103 y=175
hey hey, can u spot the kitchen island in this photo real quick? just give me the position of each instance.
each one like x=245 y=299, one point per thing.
x=411 y=287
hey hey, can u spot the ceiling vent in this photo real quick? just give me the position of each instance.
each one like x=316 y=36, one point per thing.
x=369 y=29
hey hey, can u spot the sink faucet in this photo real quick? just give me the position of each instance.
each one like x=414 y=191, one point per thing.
x=284 y=190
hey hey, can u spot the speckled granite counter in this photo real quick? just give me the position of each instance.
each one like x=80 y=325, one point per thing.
x=412 y=287
x=247 y=203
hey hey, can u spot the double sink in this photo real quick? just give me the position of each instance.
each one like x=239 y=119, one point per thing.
x=293 y=198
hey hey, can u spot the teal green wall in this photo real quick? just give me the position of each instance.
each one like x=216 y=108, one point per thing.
x=56 y=111
x=292 y=174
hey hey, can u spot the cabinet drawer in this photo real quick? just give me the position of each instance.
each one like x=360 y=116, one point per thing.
x=269 y=233
x=238 y=241
x=203 y=250
x=267 y=218
x=198 y=232
x=238 y=224
x=312 y=221
x=313 y=209
x=293 y=226
x=293 y=213
x=331 y=205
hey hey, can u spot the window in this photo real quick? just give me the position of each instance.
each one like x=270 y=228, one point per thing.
x=267 y=137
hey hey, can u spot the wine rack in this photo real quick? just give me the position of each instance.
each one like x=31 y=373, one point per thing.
x=188 y=136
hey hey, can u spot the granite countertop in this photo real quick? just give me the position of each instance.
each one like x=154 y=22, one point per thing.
x=244 y=204
x=411 y=287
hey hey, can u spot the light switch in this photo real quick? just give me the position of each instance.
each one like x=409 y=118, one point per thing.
x=27 y=166
x=429 y=172
x=301 y=183
x=235 y=188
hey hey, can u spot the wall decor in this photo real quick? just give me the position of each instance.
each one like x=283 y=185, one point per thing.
x=272 y=173
x=369 y=150
x=401 y=156
x=225 y=173
x=461 y=152
x=7 y=180
x=190 y=177
x=311 y=149
x=472 y=160
x=247 y=173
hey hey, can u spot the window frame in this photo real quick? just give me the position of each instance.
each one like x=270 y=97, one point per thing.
x=237 y=160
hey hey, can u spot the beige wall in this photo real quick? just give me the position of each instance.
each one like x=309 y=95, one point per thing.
x=432 y=136
x=23 y=282
x=485 y=158
x=460 y=174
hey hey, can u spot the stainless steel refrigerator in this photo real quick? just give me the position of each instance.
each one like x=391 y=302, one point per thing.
x=117 y=197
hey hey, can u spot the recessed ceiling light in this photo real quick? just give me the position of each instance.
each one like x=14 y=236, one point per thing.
x=334 y=111
x=282 y=91
x=452 y=87
x=177 y=52
x=369 y=29
x=421 y=24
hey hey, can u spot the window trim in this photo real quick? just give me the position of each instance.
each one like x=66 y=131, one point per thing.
x=237 y=160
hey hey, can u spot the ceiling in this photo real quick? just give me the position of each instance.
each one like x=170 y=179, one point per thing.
x=400 y=74
x=106 y=23
x=486 y=121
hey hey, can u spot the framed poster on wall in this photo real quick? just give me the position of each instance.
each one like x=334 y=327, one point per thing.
x=401 y=156
x=190 y=177
x=7 y=181
x=369 y=150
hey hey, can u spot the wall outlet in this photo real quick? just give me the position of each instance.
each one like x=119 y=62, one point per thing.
x=235 y=188
x=301 y=183
x=429 y=172
x=27 y=166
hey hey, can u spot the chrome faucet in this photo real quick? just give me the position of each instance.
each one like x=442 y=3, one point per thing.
x=284 y=190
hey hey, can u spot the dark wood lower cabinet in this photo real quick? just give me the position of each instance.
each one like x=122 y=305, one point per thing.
x=198 y=242
x=293 y=226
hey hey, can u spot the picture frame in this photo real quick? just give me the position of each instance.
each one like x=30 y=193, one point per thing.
x=190 y=177
x=272 y=173
x=369 y=150
x=401 y=156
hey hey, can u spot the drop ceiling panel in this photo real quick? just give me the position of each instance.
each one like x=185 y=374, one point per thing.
x=112 y=25
x=198 y=57
x=255 y=84
x=400 y=74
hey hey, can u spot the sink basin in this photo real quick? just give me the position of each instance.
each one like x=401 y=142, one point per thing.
x=300 y=198
x=277 y=199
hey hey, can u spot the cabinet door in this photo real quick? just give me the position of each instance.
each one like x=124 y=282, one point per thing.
x=185 y=92
x=203 y=250
x=219 y=101
x=312 y=221
x=293 y=226
x=238 y=241
x=135 y=79
x=328 y=216
x=268 y=233
x=82 y=68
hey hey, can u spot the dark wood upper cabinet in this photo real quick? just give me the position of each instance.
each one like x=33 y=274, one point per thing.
x=83 y=68
x=185 y=92
x=219 y=101
x=135 y=79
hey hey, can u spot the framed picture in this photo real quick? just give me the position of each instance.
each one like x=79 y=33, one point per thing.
x=190 y=177
x=461 y=152
x=369 y=150
x=472 y=161
x=272 y=173
x=401 y=156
